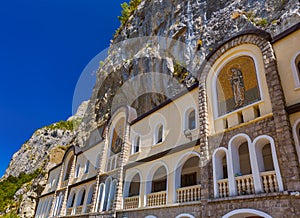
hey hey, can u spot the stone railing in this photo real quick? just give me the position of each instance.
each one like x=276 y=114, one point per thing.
x=269 y=181
x=65 y=183
x=79 y=210
x=245 y=185
x=157 y=198
x=89 y=208
x=188 y=194
x=223 y=188
x=69 y=211
x=131 y=202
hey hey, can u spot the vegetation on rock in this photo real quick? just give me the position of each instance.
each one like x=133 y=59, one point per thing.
x=128 y=10
x=9 y=187
x=64 y=125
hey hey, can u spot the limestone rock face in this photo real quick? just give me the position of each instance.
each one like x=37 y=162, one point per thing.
x=44 y=150
x=199 y=25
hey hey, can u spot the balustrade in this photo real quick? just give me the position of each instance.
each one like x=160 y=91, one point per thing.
x=157 y=198
x=188 y=194
x=223 y=188
x=245 y=185
x=131 y=202
x=269 y=181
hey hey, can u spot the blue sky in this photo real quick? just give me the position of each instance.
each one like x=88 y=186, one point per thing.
x=44 y=47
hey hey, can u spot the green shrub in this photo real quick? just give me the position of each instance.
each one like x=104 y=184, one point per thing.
x=127 y=11
x=64 y=125
x=8 y=188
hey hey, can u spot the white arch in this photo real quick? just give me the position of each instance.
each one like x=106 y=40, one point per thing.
x=295 y=70
x=215 y=176
x=150 y=216
x=297 y=137
x=247 y=210
x=178 y=169
x=100 y=198
x=185 y=215
x=234 y=167
x=269 y=139
x=128 y=179
x=150 y=175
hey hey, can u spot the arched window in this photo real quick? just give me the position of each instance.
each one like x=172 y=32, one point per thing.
x=77 y=171
x=97 y=165
x=190 y=173
x=134 y=188
x=159 y=181
x=86 y=167
x=100 y=198
x=244 y=159
x=68 y=169
x=220 y=172
x=82 y=198
x=136 y=145
x=191 y=119
x=71 y=200
x=296 y=69
x=159 y=134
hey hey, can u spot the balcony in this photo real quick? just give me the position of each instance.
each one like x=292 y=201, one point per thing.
x=89 y=208
x=245 y=185
x=189 y=194
x=223 y=188
x=78 y=210
x=157 y=198
x=131 y=202
x=69 y=211
x=269 y=181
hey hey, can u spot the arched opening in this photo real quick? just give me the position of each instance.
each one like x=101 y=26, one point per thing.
x=77 y=171
x=159 y=134
x=267 y=164
x=241 y=165
x=156 y=186
x=80 y=201
x=188 y=189
x=136 y=145
x=190 y=173
x=71 y=203
x=86 y=167
x=246 y=213
x=89 y=206
x=68 y=169
x=112 y=193
x=221 y=188
x=134 y=187
x=296 y=133
x=191 y=118
x=100 y=198
x=106 y=193
x=244 y=159
x=132 y=191
x=159 y=181
x=58 y=204
x=297 y=64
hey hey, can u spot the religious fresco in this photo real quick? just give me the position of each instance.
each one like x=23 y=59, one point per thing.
x=237 y=85
x=117 y=137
